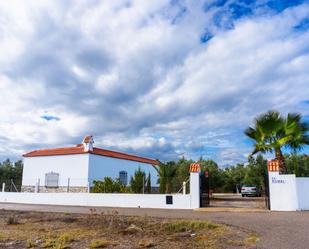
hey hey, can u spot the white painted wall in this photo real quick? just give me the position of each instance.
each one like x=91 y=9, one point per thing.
x=195 y=189
x=101 y=166
x=105 y=200
x=180 y=201
x=74 y=167
x=288 y=193
x=302 y=185
x=282 y=192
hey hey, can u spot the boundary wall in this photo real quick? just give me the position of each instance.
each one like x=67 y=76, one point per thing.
x=288 y=192
x=169 y=201
x=179 y=201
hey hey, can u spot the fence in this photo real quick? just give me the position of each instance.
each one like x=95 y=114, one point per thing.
x=11 y=185
x=107 y=185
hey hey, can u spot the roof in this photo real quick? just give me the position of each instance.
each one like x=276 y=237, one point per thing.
x=96 y=151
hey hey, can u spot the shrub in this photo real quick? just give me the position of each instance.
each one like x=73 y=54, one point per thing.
x=108 y=185
x=30 y=244
x=100 y=243
x=12 y=220
x=183 y=225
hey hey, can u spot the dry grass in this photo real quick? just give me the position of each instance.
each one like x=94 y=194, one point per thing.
x=110 y=230
x=146 y=243
x=12 y=220
x=252 y=239
x=101 y=243
x=191 y=225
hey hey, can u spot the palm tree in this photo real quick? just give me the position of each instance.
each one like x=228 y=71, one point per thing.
x=272 y=132
x=166 y=172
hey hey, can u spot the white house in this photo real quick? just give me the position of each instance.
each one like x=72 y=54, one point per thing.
x=74 y=168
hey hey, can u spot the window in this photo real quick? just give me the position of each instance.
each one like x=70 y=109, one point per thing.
x=51 y=180
x=123 y=177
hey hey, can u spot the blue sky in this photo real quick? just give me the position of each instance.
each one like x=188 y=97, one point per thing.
x=157 y=78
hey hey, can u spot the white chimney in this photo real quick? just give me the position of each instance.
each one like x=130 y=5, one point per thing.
x=88 y=143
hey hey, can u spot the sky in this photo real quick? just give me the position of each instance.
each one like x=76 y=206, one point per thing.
x=162 y=79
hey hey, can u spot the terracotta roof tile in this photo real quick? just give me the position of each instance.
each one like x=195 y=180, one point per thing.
x=96 y=151
x=56 y=151
x=110 y=153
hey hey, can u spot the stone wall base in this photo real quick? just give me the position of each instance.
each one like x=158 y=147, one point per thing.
x=60 y=189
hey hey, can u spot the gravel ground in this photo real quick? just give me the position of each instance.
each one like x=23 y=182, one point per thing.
x=277 y=230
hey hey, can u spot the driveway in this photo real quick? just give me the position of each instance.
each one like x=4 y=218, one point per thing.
x=277 y=230
x=235 y=200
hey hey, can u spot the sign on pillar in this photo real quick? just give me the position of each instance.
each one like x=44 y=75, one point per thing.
x=195 y=185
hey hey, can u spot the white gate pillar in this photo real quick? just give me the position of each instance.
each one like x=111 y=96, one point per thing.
x=195 y=185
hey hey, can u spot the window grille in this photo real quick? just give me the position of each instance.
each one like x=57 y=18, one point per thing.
x=51 y=180
x=123 y=177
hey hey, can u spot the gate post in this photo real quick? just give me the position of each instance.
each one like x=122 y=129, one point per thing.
x=195 y=185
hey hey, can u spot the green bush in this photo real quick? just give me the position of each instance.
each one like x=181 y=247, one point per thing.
x=108 y=185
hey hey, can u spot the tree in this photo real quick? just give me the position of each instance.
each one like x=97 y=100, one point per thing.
x=166 y=173
x=216 y=179
x=255 y=171
x=234 y=177
x=11 y=171
x=272 y=132
x=138 y=181
x=297 y=164
x=148 y=184
x=182 y=174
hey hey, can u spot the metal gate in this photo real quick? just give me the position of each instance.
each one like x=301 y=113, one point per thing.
x=204 y=189
x=266 y=187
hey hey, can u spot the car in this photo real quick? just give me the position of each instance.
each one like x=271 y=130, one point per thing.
x=250 y=190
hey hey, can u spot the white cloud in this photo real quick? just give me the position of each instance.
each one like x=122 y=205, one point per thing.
x=135 y=75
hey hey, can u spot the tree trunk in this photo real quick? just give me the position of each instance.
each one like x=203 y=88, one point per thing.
x=168 y=186
x=282 y=167
x=162 y=188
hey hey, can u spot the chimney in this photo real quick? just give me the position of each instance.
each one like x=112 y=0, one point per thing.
x=88 y=143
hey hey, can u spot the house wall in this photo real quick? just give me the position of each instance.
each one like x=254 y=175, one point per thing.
x=101 y=166
x=74 y=167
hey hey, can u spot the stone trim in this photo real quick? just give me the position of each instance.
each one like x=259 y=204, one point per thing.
x=60 y=189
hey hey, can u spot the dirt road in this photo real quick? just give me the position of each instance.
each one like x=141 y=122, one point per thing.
x=235 y=200
x=278 y=230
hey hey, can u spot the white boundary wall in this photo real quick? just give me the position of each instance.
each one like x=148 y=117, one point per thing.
x=105 y=200
x=302 y=185
x=180 y=201
x=288 y=193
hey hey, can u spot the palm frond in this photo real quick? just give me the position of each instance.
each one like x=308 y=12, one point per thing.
x=272 y=131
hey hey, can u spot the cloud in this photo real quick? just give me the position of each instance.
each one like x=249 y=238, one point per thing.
x=156 y=78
